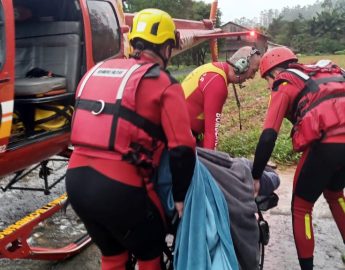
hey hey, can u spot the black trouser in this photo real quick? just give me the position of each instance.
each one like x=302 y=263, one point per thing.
x=118 y=217
x=321 y=170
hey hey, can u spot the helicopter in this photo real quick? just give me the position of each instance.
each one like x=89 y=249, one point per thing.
x=46 y=46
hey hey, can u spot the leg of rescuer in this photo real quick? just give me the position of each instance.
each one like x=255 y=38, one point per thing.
x=302 y=207
x=302 y=222
x=116 y=262
x=114 y=224
x=334 y=195
x=336 y=202
x=320 y=170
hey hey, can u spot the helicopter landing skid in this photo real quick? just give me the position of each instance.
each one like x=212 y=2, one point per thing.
x=44 y=172
x=14 y=239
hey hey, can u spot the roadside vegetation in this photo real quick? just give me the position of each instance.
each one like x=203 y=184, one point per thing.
x=254 y=98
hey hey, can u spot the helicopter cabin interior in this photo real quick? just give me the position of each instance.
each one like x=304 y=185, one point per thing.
x=50 y=59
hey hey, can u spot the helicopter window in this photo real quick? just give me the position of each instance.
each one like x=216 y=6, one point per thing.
x=2 y=36
x=105 y=30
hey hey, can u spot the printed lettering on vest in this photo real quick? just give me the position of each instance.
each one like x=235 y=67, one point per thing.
x=110 y=72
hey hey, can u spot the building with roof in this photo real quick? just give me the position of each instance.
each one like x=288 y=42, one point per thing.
x=231 y=44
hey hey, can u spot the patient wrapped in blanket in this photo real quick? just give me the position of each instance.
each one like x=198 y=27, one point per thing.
x=234 y=178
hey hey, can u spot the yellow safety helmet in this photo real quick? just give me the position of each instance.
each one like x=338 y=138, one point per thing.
x=154 y=26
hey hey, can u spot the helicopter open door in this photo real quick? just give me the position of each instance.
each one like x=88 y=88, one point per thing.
x=6 y=73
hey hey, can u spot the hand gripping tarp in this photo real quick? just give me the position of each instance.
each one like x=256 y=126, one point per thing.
x=203 y=239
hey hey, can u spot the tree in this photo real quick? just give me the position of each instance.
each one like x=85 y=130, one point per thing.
x=324 y=33
x=327 y=5
x=177 y=9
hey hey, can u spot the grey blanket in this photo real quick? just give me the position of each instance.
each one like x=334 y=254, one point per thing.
x=233 y=175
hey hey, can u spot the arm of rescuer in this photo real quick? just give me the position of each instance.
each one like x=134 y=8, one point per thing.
x=181 y=143
x=276 y=112
x=215 y=94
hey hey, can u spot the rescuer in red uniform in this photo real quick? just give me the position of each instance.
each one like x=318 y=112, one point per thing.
x=312 y=97
x=127 y=110
x=206 y=90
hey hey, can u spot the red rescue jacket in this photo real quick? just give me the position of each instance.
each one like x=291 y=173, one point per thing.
x=106 y=120
x=319 y=108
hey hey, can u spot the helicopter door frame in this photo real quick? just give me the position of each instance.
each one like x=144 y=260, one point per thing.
x=7 y=51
